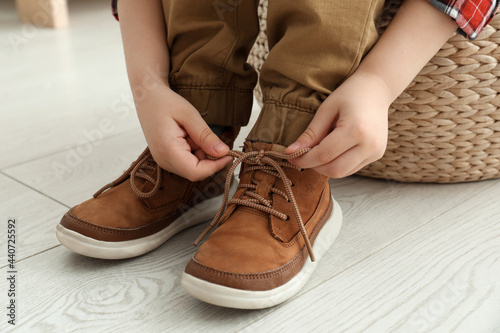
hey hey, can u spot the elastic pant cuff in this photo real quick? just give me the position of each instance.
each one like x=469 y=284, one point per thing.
x=280 y=124
x=220 y=106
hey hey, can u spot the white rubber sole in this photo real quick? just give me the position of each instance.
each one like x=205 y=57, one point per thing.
x=246 y=299
x=94 y=248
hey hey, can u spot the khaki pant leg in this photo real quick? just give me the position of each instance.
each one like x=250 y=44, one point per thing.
x=314 y=46
x=209 y=42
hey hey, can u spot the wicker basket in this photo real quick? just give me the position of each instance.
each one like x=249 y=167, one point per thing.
x=445 y=127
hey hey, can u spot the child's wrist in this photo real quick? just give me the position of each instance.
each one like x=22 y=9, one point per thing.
x=147 y=86
x=147 y=97
x=147 y=79
x=377 y=82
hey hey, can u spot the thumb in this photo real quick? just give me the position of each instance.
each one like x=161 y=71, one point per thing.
x=314 y=133
x=204 y=138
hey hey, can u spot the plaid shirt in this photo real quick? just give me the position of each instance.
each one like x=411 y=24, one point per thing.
x=471 y=16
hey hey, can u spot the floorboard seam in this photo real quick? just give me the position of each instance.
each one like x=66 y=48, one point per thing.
x=34 y=189
x=34 y=254
x=61 y=151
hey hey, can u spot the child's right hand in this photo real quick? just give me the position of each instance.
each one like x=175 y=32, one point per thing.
x=178 y=137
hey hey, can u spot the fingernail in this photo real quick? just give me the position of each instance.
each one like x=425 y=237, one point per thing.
x=294 y=146
x=220 y=147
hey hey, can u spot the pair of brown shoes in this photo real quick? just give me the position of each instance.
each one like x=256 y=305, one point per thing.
x=267 y=240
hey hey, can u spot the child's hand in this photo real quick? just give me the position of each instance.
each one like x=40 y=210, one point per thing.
x=178 y=137
x=349 y=129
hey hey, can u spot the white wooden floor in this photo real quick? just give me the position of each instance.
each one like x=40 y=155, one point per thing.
x=410 y=257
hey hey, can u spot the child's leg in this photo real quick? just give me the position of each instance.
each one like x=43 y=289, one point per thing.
x=282 y=217
x=209 y=42
x=314 y=46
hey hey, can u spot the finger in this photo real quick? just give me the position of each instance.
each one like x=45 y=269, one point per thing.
x=344 y=165
x=191 y=167
x=318 y=128
x=372 y=156
x=192 y=144
x=202 y=135
x=335 y=144
x=206 y=168
x=179 y=158
x=200 y=154
x=359 y=167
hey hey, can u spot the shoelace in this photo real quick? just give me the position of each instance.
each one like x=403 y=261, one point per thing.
x=138 y=170
x=270 y=162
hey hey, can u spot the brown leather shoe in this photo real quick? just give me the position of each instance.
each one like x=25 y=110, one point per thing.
x=140 y=210
x=280 y=220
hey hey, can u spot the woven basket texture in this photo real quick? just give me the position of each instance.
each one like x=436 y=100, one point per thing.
x=445 y=127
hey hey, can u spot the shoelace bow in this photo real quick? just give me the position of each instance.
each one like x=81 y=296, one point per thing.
x=270 y=162
x=138 y=170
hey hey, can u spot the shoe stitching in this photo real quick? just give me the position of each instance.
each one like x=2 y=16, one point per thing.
x=254 y=276
x=117 y=231
x=158 y=209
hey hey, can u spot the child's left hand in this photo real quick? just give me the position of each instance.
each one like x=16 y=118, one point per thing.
x=349 y=129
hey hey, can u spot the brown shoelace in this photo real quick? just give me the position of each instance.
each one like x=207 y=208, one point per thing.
x=138 y=169
x=270 y=162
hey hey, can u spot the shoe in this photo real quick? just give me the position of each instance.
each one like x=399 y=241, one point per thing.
x=269 y=238
x=141 y=209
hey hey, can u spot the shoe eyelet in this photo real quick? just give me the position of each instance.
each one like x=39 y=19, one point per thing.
x=287 y=218
x=292 y=184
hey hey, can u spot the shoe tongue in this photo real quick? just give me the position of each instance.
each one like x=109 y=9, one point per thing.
x=265 y=180
x=256 y=146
